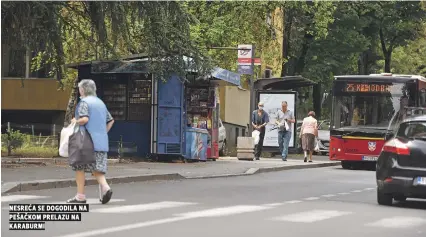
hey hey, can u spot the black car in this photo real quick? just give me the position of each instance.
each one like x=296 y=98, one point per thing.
x=401 y=166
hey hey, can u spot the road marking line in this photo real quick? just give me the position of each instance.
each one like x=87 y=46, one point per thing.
x=223 y=211
x=328 y=195
x=142 y=207
x=14 y=198
x=398 y=222
x=311 y=198
x=126 y=227
x=343 y=193
x=273 y=204
x=91 y=201
x=368 y=189
x=311 y=216
x=356 y=191
x=293 y=201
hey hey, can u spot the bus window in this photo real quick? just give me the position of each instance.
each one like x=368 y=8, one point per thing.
x=373 y=109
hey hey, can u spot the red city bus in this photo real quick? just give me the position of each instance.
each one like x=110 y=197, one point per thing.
x=365 y=111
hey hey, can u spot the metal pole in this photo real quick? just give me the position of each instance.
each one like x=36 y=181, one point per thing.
x=250 y=128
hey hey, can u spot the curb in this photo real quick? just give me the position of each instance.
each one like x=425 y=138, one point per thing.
x=8 y=160
x=64 y=183
x=297 y=167
x=12 y=187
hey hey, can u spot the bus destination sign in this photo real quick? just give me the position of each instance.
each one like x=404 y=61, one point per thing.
x=363 y=87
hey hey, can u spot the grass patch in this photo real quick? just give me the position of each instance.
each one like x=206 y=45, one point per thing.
x=32 y=152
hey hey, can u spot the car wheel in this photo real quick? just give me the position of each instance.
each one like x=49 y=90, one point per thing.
x=346 y=165
x=384 y=198
x=400 y=198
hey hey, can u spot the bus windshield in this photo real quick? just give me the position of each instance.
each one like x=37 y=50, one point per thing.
x=368 y=105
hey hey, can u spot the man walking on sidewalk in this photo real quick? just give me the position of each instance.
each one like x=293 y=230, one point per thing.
x=259 y=120
x=284 y=120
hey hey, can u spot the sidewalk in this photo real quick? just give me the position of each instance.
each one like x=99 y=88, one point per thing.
x=33 y=177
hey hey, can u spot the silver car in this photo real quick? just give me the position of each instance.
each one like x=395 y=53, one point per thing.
x=324 y=137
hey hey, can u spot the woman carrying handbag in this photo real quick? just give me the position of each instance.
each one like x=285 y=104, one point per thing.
x=88 y=145
x=308 y=134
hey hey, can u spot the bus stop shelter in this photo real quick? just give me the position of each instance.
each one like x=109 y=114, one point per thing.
x=272 y=91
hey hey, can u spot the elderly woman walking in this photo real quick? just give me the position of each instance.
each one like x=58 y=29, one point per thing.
x=308 y=133
x=92 y=114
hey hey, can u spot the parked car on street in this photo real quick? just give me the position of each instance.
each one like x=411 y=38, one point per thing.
x=401 y=166
x=324 y=137
x=223 y=149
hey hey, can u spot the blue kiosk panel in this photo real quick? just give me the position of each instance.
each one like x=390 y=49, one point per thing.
x=170 y=128
x=135 y=135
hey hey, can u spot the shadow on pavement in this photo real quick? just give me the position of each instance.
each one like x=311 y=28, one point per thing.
x=412 y=204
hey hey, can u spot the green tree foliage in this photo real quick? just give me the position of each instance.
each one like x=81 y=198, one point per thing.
x=104 y=30
x=12 y=140
x=227 y=24
x=398 y=22
x=359 y=36
x=411 y=58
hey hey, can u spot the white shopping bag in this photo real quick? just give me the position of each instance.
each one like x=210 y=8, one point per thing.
x=316 y=149
x=286 y=126
x=256 y=135
x=65 y=135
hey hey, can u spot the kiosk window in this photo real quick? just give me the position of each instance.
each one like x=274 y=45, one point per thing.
x=139 y=91
x=114 y=96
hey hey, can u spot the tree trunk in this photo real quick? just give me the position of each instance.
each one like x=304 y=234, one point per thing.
x=388 y=58
x=69 y=114
x=288 y=21
x=387 y=52
x=300 y=63
x=9 y=149
x=363 y=63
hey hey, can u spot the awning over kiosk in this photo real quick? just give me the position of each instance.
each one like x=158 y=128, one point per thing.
x=120 y=66
x=225 y=75
x=140 y=65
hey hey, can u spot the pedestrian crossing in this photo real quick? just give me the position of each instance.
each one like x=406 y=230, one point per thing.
x=17 y=198
x=142 y=207
x=311 y=216
x=399 y=222
x=305 y=210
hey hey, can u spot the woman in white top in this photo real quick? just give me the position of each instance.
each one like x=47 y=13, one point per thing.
x=308 y=133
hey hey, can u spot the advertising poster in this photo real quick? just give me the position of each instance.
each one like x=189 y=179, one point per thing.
x=272 y=103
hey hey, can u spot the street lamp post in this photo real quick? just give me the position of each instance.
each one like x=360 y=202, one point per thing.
x=250 y=128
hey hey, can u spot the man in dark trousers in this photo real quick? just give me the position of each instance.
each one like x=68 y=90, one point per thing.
x=259 y=119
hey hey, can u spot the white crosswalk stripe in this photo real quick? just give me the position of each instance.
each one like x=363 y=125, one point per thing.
x=91 y=201
x=398 y=222
x=224 y=211
x=311 y=198
x=17 y=198
x=142 y=207
x=311 y=216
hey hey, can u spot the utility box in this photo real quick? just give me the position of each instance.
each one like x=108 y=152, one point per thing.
x=245 y=148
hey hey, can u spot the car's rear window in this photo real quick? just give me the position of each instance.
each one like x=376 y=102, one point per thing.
x=416 y=129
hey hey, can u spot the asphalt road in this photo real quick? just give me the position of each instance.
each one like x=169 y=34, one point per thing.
x=328 y=202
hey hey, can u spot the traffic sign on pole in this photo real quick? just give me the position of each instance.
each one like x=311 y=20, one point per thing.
x=245 y=59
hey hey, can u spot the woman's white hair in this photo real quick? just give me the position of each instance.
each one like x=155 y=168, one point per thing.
x=88 y=86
